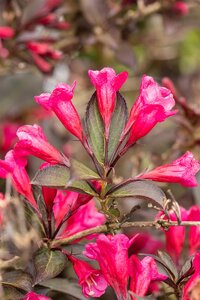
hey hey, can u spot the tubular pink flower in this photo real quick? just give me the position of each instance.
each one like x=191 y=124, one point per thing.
x=59 y=101
x=34 y=296
x=111 y=252
x=107 y=84
x=142 y=274
x=153 y=105
x=182 y=170
x=6 y=32
x=14 y=166
x=44 y=49
x=33 y=141
x=175 y=235
x=8 y=135
x=81 y=216
x=2 y=205
x=92 y=281
x=194 y=231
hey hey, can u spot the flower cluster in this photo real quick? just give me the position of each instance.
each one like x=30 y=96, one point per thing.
x=75 y=199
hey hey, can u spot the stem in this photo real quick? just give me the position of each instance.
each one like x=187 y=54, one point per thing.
x=106 y=228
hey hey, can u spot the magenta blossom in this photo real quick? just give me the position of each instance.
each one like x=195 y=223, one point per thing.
x=6 y=32
x=8 y=135
x=34 y=296
x=175 y=235
x=14 y=166
x=79 y=216
x=194 y=231
x=92 y=281
x=59 y=101
x=111 y=252
x=153 y=105
x=107 y=83
x=142 y=274
x=182 y=170
x=33 y=141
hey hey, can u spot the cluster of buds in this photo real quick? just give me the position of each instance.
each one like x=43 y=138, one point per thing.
x=66 y=208
x=34 y=32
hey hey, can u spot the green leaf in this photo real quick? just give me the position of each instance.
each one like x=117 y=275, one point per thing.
x=80 y=171
x=64 y=286
x=118 y=121
x=168 y=262
x=52 y=176
x=95 y=129
x=11 y=293
x=81 y=186
x=139 y=189
x=17 y=279
x=48 y=263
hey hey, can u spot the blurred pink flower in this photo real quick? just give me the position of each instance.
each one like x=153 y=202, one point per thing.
x=182 y=170
x=8 y=135
x=6 y=32
x=175 y=235
x=181 y=8
x=59 y=101
x=194 y=231
x=14 y=167
x=107 y=84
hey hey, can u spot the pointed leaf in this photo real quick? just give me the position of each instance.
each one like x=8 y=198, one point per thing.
x=95 y=129
x=64 y=286
x=80 y=171
x=11 y=293
x=17 y=279
x=118 y=121
x=48 y=263
x=166 y=259
x=81 y=186
x=52 y=176
x=139 y=189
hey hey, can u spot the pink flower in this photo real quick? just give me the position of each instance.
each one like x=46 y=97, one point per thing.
x=175 y=235
x=107 y=84
x=92 y=281
x=6 y=32
x=111 y=252
x=59 y=101
x=191 y=290
x=34 y=296
x=33 y=141
x=14 y=166
x=182 y=170
x=80 y=216
x=142 y=274
x=181 y=8
x=44 y=49
x=194 y=231
x=8 y=135
x=153 y=105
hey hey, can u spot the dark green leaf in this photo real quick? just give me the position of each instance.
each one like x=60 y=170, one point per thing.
x=11 y=293
x=81 y=186
x=64 y=286
x=139 y=189
x=168 y=262
x=80 y=171
x=17 y=279
x=48 y=263
x=118 y=122
x=187 y=269
x=52 y=176
x=95 y=129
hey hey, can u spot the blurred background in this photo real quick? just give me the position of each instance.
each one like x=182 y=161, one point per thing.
x=44 y=42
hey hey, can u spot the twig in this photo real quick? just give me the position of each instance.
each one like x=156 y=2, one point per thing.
x=116 y=226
